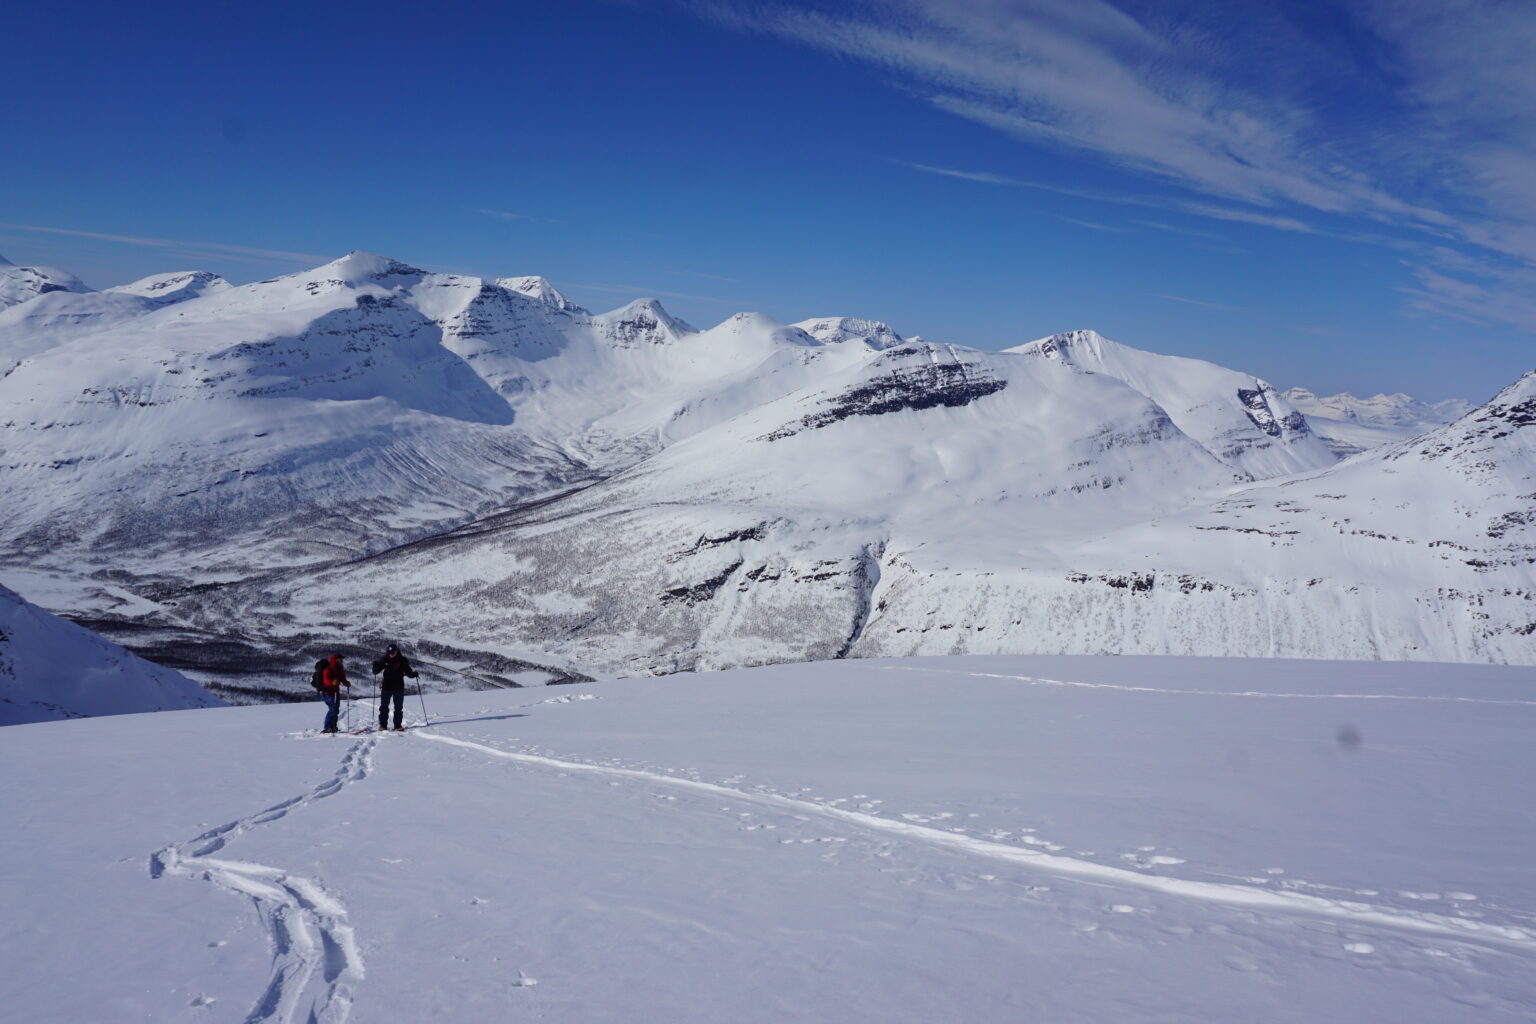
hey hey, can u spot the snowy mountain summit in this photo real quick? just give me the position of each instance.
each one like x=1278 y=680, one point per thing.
x=19 y=284
x=372 y=449
x=1242 y=420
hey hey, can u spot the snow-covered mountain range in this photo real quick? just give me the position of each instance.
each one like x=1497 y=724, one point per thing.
x=371 y=450
x=1350 y=425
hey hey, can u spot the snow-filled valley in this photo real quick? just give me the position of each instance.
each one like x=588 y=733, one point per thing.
x=983 y=839
x=232 y=479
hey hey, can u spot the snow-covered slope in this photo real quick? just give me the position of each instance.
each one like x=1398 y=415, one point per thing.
x=20 y=284
x=51 y=669
x=986 y=840
x=1423 y=550
x=1351 y=425
x=1242 y=420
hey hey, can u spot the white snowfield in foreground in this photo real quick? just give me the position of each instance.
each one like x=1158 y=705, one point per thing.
x=985 y=839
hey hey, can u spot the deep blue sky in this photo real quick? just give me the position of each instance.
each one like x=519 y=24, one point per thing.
x=1338 y=195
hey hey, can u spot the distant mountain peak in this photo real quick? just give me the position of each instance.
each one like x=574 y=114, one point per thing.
x=5 y=262
x=1061 y=345
x=1266 y=438
x=19 y=284
x=539 y=289
x=358 y=267
x=838 y=330
x=643 y=321
x=182 y=285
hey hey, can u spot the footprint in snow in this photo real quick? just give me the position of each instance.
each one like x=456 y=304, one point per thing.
x=203 y=1001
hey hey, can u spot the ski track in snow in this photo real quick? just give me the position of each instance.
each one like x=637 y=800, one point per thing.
x=1245 y=897
x=1042 y=681
x=316 y=963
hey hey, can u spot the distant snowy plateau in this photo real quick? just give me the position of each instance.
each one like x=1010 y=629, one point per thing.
x=228 y=480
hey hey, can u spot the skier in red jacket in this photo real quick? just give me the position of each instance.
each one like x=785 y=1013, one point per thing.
x=333 y=678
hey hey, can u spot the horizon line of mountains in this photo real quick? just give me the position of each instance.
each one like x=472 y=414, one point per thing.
x=369 y=450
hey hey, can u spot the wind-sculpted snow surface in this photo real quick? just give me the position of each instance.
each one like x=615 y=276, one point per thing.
x=903 y=840
x=51 y=669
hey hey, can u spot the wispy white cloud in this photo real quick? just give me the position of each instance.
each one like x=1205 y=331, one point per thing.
x=1505 y=298
x=1198 y=302
x=1091 y=226
x=507 y=215
x=1415 y=116
x=194 y=250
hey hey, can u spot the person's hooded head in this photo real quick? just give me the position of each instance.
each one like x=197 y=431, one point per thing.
x=392 y=651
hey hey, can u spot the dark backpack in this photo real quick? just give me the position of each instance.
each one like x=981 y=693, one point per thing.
x=318 y=679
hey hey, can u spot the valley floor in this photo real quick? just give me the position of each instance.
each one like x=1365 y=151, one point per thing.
x=985 y=839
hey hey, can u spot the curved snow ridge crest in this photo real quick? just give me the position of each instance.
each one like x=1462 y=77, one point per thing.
x=1042 y=681
x=316 y=963
x=1226 y=893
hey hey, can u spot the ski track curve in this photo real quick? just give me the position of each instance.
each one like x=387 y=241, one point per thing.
x=316 y=964
x=1245 y=897
x=1042 y=681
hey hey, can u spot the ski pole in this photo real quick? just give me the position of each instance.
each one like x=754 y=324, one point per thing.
x=424 y=716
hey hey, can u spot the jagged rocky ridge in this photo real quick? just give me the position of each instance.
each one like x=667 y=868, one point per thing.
x=369 y=448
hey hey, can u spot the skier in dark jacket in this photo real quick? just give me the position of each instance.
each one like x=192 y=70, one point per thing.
x=332 y=678
x=392 y=684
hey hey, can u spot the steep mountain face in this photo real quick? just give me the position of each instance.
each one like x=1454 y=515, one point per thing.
x=1241 y=420
x=1350 y=425
x=19 y=284
x=52 y=669
x=369 y=450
